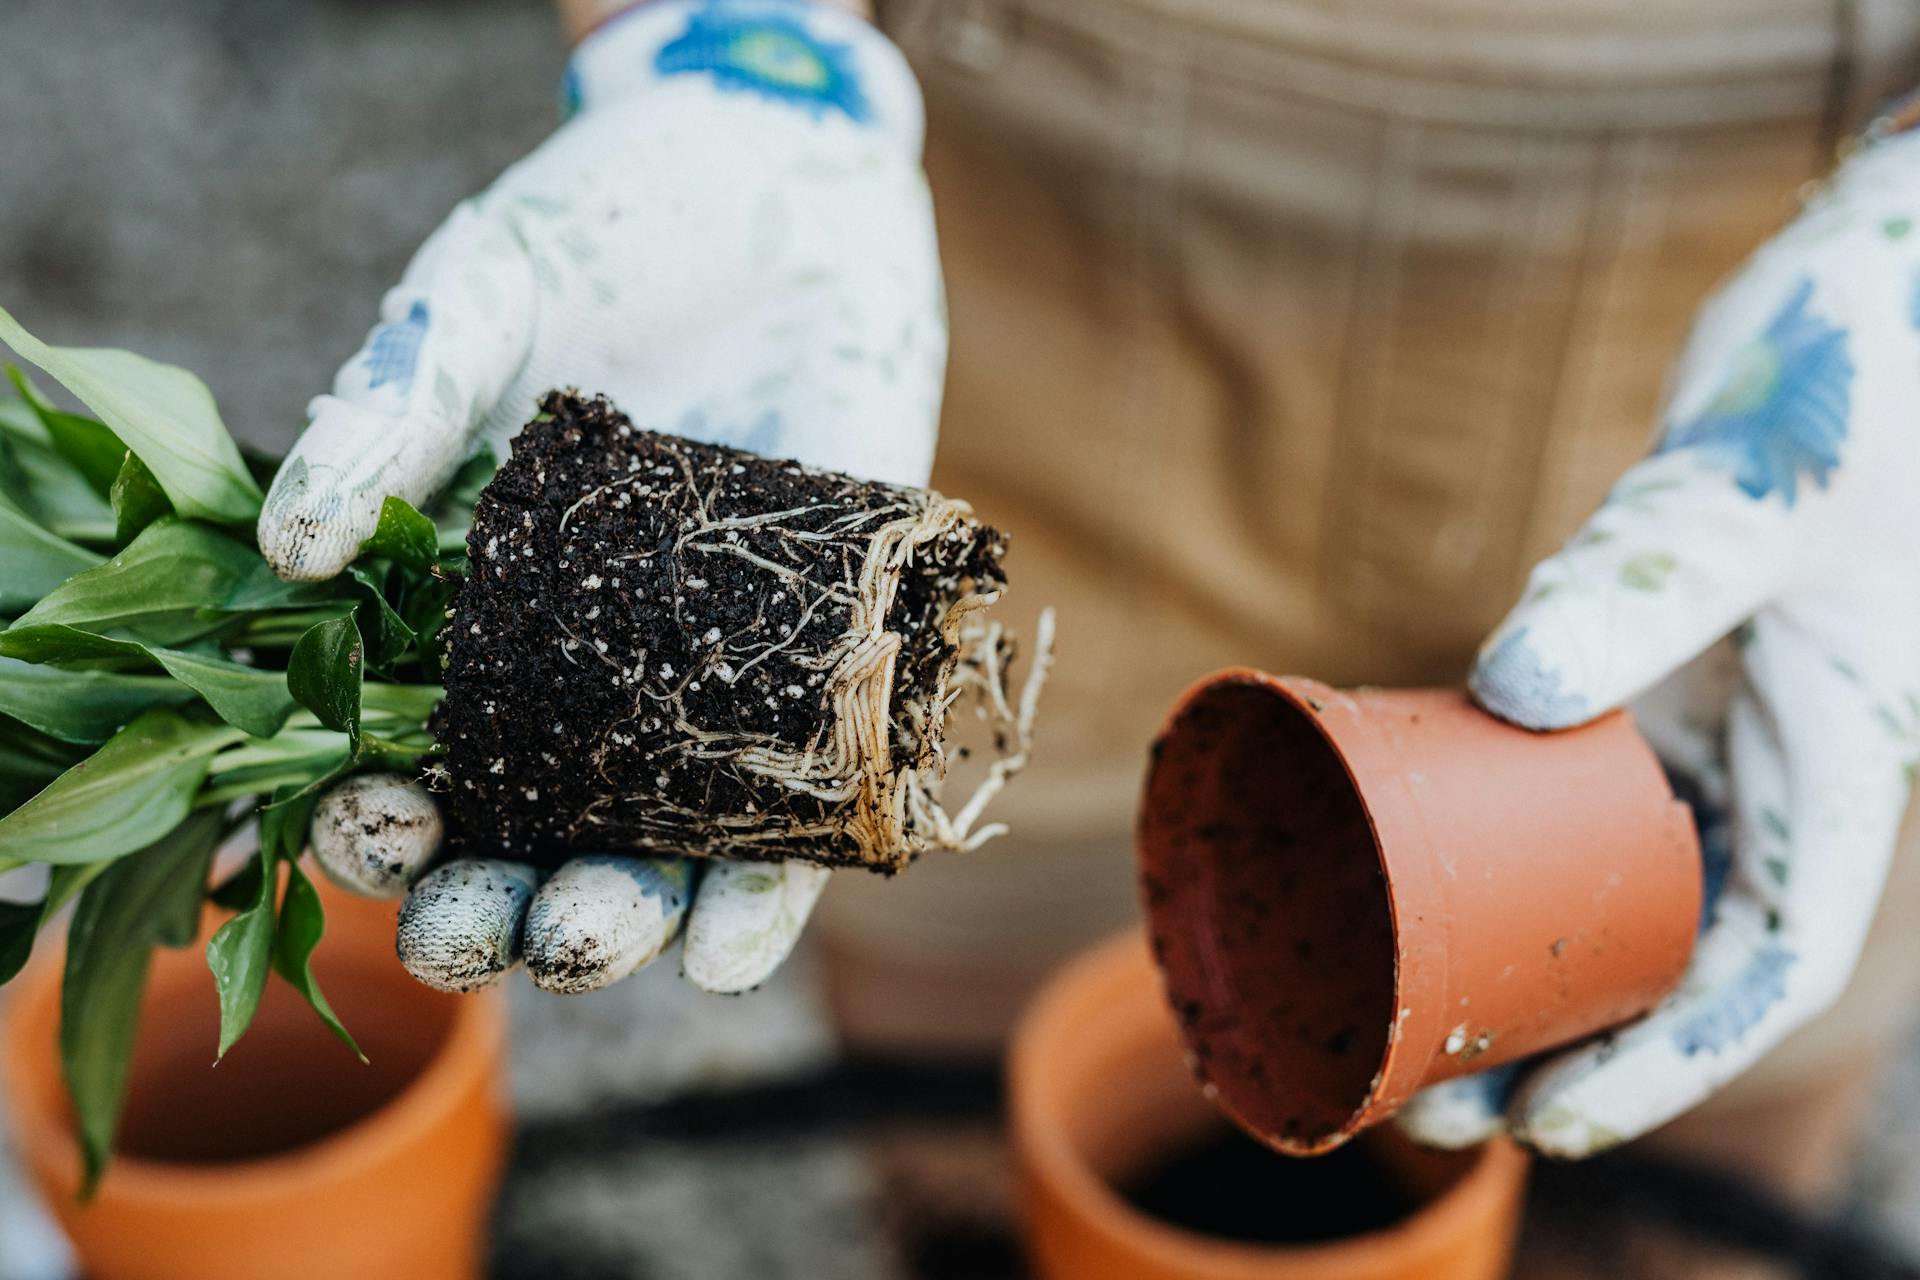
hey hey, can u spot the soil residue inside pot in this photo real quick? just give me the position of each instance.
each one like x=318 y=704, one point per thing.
x=676 y=647
x=1280 y=962
x=1222 y=1183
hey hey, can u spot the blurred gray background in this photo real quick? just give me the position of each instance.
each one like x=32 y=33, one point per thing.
x=231 y=184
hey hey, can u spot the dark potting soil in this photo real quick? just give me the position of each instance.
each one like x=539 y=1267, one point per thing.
x=1222 y=1183
x=652 y=649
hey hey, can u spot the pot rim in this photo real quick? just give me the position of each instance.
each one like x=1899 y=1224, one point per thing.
x=1392 y=818
x=475 y=1033
x=1092 y=980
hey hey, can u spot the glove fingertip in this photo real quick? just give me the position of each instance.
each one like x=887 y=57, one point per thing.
x=1461 y=1113
x=373 y=834
x=1559 y=1132
x=746 y=920
x=304 y=531
x=1517 y=679
x=602 y=918
x=460 y=927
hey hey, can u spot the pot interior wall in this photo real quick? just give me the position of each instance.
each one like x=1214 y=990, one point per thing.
x=1135 y=1119
x=1270 y=912
x=289 y=1082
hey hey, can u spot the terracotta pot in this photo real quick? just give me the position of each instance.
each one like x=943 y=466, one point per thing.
x=291 y=1159
x=1099 y=1092
x=1354 y=894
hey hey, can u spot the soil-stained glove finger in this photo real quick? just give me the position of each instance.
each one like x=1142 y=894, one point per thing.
x=746 y=919
x=602 y=917
x=1457 y=1114
x=461 y=926
x=374 y=833
x=406 y=407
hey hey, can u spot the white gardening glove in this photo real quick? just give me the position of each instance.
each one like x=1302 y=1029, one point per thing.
x=732 y=239
x=1780 y=510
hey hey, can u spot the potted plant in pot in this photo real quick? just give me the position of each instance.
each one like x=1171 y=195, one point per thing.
x=160 y=691
x=292 y=1158
x=1127 y=1171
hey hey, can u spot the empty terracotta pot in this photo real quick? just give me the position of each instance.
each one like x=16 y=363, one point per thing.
x=290 y=1159
x=1099 y=1092
x=1354 y=894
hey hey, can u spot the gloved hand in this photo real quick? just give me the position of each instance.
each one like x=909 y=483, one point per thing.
x=731 y=237
x=1778 y=510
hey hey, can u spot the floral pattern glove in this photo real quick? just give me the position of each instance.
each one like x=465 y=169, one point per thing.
x=1756 y=579
x=731 y=237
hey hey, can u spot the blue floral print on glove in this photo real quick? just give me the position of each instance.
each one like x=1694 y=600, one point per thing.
x=1782 y=414
x=1751 y=589
x=755 y=49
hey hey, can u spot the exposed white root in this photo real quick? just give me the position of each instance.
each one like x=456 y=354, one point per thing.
x=896 y=809
x=866 y=785
x=982 y=667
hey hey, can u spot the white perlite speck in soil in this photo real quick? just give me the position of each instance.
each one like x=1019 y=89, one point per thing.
x=756 y=660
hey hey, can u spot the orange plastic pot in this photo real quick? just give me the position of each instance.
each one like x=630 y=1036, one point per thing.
x=290 y=1159
x=1099 y=1089
x=1355 y=894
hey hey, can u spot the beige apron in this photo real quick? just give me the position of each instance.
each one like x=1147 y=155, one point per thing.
x=1291 y=333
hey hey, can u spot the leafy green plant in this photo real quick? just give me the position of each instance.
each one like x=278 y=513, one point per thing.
x=161 y=690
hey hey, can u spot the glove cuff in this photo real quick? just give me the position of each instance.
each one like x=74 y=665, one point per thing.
x=814 y=57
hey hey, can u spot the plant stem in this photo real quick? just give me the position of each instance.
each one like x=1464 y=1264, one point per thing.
x=281 y=630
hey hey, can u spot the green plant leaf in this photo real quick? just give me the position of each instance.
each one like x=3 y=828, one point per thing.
x=19 y=925
x=143 y=780
x=237 y=891
x=285 y=819
x=81 y=706
x=254 y=700
x=90 y=446
x=19 y=423
x=305 y=744
x=163 y=413
x=137 y=500
x=29 y=760
x=324 y=673
x=453 y=513
x=303 y=772
x=149 y=897
x=391 y=634
x=264 y=591
x=240 y=955
x=400 y=757
x=249 y=699
x=413 y=703
x=34 y=561
x=423 y=603
x=303 y=922
x=44 y=485
x=175 y=566
x=403 y=535
x=57 y=496
x=15 y=491
x=21 y=922
x=242 y=952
